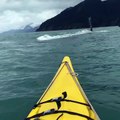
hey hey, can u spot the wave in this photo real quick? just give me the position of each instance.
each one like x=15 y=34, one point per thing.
x=46 y=37
x=102 y=31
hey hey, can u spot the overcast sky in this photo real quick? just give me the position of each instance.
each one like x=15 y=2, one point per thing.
x=15 y=14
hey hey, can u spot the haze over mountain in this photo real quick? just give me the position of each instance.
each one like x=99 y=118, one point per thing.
x=103 y=13
x=27 y=28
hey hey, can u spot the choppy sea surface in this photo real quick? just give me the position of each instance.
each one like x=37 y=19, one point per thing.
x=29 y=61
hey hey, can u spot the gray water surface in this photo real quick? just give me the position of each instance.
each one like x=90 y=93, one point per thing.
x=28 y=64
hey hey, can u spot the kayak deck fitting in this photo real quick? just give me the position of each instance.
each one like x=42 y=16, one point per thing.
x=64 y=99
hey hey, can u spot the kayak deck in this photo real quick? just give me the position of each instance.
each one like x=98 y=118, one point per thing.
x=64 y=99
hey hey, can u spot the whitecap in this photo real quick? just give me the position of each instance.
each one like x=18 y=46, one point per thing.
x=46 y=37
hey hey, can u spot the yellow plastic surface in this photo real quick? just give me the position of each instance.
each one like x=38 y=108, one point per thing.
x=65 y=80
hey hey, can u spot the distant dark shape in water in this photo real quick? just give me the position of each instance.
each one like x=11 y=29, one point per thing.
x=90 y=23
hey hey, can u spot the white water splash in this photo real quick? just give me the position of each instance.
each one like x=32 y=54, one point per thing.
x=50 y=37
x=102 y=31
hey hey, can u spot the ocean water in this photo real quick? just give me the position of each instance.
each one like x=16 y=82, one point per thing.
x=29 y=61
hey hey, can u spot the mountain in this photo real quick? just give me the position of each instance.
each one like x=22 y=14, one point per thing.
x=27 y=28
x=102 y=13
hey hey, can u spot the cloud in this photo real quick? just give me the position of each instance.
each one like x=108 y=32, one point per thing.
x=16 y=20
x=15 y=14
x=9 y=20
x=37 y=5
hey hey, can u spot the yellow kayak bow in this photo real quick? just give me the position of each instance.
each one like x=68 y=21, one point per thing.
x=64 y=99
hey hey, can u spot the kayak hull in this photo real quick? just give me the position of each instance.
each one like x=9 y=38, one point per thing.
x=64 y=98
